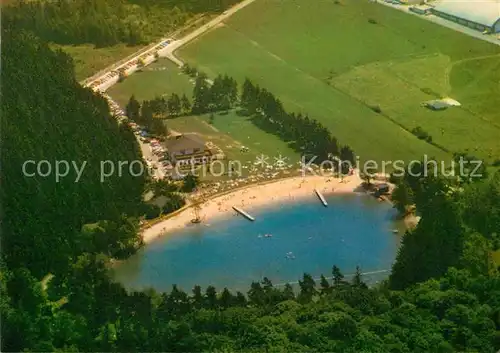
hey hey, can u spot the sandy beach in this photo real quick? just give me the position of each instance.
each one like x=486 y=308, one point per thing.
x=279 y=192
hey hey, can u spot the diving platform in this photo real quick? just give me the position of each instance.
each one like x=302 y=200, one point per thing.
x=321 y=197
x=243 y=213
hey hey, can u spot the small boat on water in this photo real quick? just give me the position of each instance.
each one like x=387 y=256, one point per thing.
x=268 y=235
x=290 y=255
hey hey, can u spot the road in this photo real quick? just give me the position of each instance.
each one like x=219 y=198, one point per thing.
x=168 y=51
x=148 y=155
x=446 y=23
x=172 y=47
x=114 y=66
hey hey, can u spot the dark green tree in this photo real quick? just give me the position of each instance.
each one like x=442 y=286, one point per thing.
x=201 y=95
x=436 y=243
x=174 y=105
x=357 y=279
x=338 y=277
x=211 y=297
x=197 y=297
x=226 y=298
x=307 y=288
x=256 y=294
x=190 y=182
x=185 y=105
x=402 y=197
x=132 y=109
x=288 y=293
x=325 y=286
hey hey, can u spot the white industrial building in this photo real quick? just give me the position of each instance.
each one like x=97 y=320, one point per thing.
x=482 y=15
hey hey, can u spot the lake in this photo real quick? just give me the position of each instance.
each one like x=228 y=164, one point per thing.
x=355 y=229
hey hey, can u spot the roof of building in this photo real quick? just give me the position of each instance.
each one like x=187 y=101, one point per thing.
x=184 y=142
x=159 y=201
x=423 y=7
x=485 y=12
x=174 y=133
x=436 y=104
x=451 y=102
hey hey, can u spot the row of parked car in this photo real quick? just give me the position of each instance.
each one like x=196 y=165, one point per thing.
x=162 y=165
x=133 y=63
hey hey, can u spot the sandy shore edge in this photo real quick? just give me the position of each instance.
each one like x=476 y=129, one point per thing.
x=281 y=191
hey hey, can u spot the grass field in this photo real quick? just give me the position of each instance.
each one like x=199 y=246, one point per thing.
x=230 y=132
x=160 y=78
x=496 y=257
x=329 y=61
x=89 y=60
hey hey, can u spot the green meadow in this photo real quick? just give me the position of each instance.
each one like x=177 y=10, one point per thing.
x=336 y=61
x=231 y=132
x=88 y=60
x=228 y=131
x=161 y=78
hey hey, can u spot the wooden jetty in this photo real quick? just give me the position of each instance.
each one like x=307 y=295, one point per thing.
x=243 y=213
x=321 y=197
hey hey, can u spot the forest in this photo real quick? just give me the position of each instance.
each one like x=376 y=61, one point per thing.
x=105 y=22
x=443 y=294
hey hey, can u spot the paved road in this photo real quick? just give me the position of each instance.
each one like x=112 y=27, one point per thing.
x=165 y=52
x=445 y=23
x=168 y=51
x=172 y=47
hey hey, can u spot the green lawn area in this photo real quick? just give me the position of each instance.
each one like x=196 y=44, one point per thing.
x=399 y=88
x=89 y=60
x=496 y=257
x=327 y=60
x=160 y=78
x=230 y=132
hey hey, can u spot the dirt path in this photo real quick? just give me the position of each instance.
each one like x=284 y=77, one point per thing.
x=459 y=62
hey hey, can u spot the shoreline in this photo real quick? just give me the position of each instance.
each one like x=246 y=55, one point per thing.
x=280 y=191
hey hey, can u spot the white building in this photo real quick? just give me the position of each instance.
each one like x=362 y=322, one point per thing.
x=482 y=15
x=421 y=9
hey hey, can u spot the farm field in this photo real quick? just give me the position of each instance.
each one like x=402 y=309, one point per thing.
x=336 y=61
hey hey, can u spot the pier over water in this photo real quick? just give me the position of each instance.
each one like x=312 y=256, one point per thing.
x=321 y=197
x=354 y=230
x=243 y=213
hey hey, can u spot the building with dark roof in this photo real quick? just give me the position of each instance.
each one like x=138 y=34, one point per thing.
x=187 y=149
x=482 y=15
